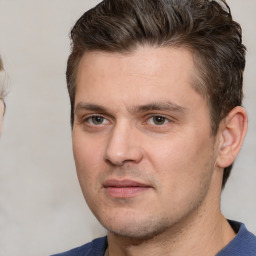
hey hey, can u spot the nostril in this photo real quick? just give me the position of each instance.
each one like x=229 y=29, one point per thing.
x=114 y=162
x=133 y=155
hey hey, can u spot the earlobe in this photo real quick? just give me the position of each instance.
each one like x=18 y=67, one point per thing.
x=232 y=131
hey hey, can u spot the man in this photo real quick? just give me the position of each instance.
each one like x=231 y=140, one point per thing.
x=156 y=94
x=2 y=93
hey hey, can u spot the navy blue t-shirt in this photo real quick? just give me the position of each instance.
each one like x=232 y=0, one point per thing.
x=244 y=244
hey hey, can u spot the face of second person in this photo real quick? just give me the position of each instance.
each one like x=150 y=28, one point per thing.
x=142 y=139
x=1 y=114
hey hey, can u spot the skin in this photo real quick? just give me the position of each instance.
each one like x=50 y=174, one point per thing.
x=148 y=165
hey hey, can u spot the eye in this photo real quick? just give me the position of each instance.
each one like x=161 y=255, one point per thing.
x=97 y=120
x=158 y=120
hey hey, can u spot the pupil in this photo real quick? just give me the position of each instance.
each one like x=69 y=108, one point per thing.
x=97 y=119
x=159 y=119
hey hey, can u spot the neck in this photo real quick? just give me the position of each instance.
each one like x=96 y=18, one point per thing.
x=205 y=232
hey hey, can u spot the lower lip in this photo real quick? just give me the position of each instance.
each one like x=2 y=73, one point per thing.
x=125 y=192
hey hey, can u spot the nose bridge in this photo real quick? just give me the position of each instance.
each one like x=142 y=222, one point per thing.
x=123 y=144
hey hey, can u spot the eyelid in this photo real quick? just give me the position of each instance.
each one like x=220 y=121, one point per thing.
x=167 y=119
x=89 y=116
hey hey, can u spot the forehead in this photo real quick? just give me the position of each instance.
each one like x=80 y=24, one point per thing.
x=144 y=60
x=143 y=74
x=148 y=56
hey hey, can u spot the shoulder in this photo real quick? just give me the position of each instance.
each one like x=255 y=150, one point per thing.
x=97 y=247
x=243 y=244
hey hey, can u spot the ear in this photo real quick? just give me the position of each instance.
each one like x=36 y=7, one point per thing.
x=232 y=131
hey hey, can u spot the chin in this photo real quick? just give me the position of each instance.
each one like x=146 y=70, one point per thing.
x=135 y=228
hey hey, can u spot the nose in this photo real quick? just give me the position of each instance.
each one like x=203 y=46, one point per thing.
x=123 y=146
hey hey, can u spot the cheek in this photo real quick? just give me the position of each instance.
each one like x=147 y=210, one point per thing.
x=88 y=158
x=183 y=163
x=184 y=175
x=88 y=166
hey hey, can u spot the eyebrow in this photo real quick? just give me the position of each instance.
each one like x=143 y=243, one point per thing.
x=154 y=106
x=91 y=107
x=159 y=106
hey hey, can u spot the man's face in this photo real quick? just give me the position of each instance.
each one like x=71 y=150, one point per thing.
x=142 y=139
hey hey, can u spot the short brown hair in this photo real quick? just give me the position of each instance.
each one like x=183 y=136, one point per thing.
x=205 y=27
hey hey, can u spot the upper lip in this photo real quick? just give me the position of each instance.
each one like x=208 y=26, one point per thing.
x=123 y=183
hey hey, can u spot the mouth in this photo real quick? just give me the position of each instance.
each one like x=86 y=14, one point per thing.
x=124 y=188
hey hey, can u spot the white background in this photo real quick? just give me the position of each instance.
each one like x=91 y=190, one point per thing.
x=42 y=210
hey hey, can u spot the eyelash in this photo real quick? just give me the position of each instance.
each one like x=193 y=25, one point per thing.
x=105 y=121
x=90 y=121
x=164 y=119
